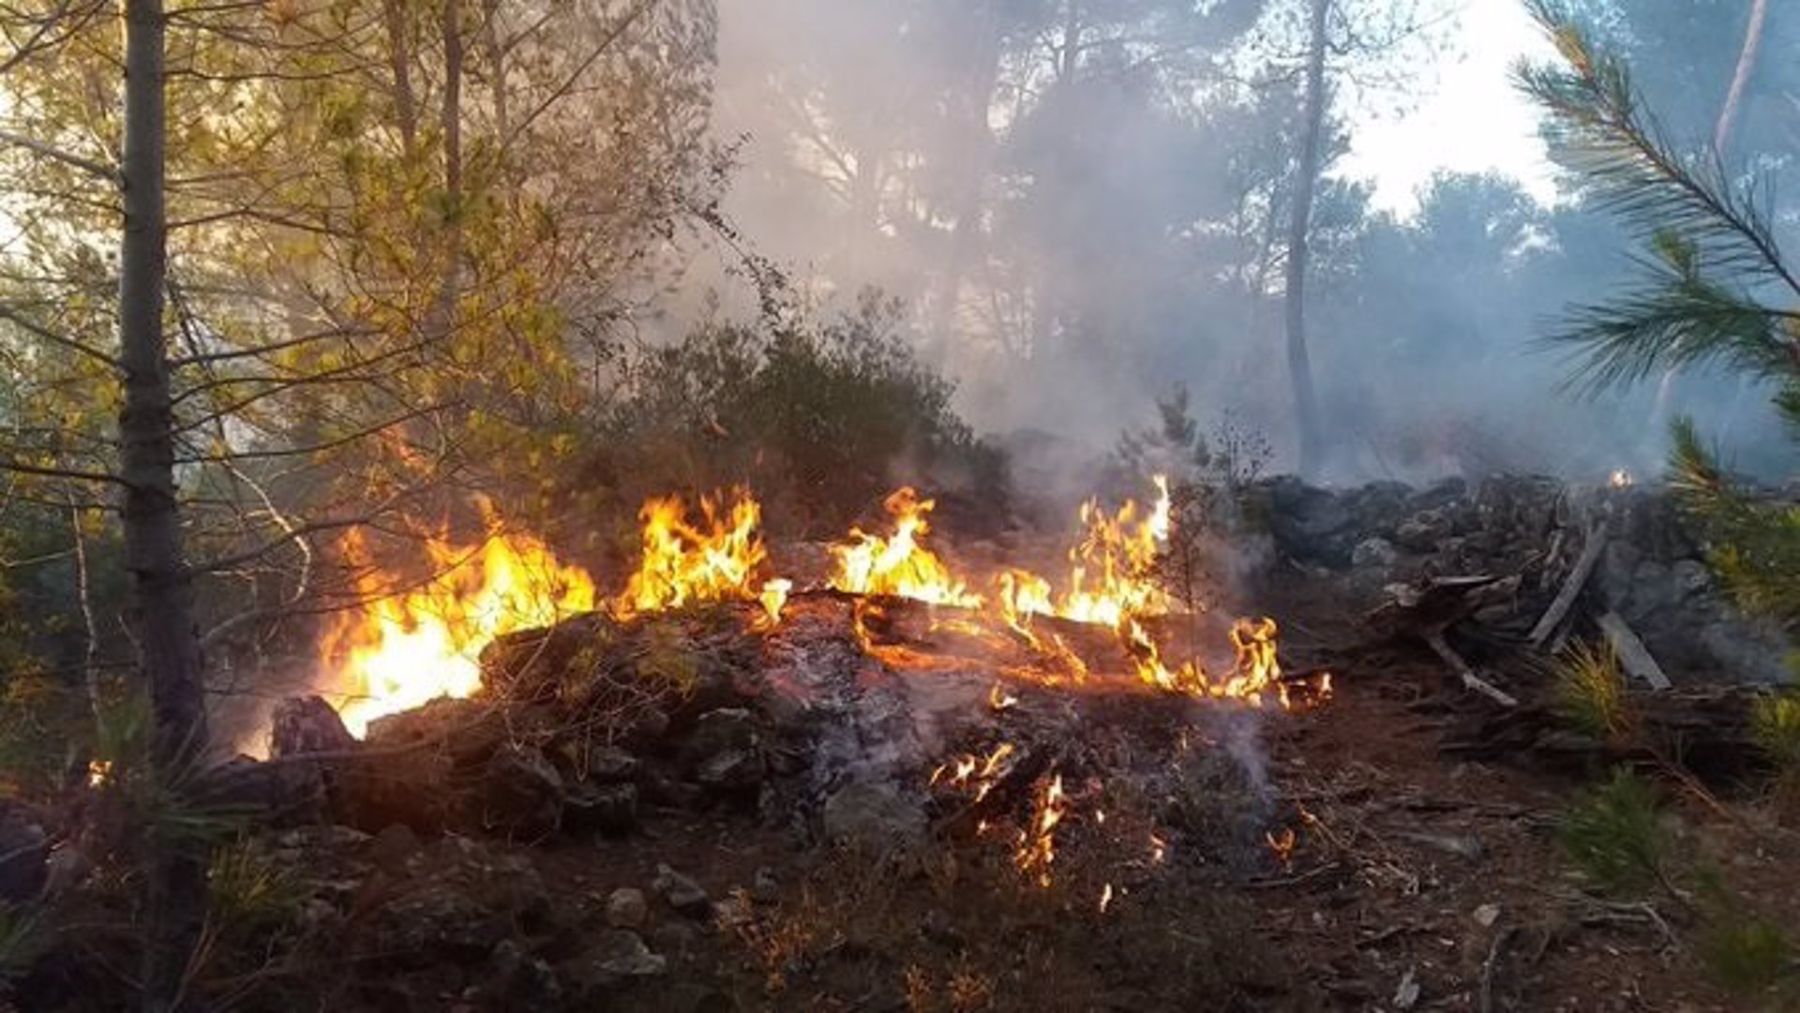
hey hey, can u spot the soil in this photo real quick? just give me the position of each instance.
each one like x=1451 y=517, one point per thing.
x=1349 y=865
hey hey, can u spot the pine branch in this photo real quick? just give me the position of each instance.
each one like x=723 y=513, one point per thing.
x=1597 y=127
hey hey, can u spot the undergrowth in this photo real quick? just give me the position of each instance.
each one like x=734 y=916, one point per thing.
x=1615 y=837
x=1590 y=691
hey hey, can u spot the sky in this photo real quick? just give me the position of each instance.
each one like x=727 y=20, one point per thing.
x=1463 y=114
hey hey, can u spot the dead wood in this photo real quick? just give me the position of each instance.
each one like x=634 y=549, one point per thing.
x=1467 y=673
x=1631 y=651
x=1571 y=588
x=1707 y=731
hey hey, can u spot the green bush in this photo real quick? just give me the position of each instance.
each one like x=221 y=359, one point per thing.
x=1590 y=691
x=1614 y=837
x=1747 y=954
x=821 y=421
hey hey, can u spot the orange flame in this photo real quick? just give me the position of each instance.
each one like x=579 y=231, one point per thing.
x=399 y=651
x=899 y=565
x=1037 y=844
x=709 y=561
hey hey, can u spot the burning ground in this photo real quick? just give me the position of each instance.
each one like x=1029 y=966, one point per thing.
x=889 y=780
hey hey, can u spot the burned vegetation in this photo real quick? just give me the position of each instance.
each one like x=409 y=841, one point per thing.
x=888 y=778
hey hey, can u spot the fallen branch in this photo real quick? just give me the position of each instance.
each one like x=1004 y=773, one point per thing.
x=1631 y=651
x=1571 y=589
x=1462 y=669
x=1484 y=1002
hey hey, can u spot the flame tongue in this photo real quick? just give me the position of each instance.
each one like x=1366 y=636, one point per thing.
x=401 y=651
x=709 y=561
x=899 y=565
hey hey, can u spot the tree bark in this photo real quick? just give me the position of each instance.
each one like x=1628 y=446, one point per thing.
x=1306 y=398
x=443 y=314
x=986 y=38
x=161 y=585
x=1740 y=78
x=406 y=105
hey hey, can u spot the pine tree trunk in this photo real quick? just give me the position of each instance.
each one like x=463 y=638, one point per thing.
x=162 y=605
x=1306 y=398
x=442 y=317
x=1740 y=78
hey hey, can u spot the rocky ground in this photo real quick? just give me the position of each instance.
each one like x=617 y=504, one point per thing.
x=696 y=812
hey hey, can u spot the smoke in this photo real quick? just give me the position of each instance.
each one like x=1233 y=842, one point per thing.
x=1075 y=223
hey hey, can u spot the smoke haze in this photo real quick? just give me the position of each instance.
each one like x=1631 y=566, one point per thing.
x=1081 y=205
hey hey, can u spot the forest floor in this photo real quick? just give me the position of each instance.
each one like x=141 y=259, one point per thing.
x=1329 y=859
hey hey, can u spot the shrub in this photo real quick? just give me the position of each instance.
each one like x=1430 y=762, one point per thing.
x=820 y=421
x=1746 y=954
x=1613 y=835
x=1590 y=690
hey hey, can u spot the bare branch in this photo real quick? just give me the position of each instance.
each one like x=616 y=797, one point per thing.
x=104 y=173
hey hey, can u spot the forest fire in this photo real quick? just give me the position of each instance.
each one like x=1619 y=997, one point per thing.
x=899 y=565
x=400 y=651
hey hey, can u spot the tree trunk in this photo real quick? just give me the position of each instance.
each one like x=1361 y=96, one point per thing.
x=443 y=313
x=1740 y=78
x=406 y=106
x=1306 y=398
x=978 y=143
x=162 y=605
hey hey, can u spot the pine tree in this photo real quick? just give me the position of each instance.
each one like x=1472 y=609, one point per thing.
x=1715 y=289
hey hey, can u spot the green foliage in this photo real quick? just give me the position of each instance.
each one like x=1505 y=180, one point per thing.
x=1715 y=289
x=1755 y=546
x=820 y=421
x=1775 y=722
x=1590 y=690
x=249 y=893
x=1746 y=954
x=1225 y=459
x=1209 y=473
x=24 y=936
x=1613 y=835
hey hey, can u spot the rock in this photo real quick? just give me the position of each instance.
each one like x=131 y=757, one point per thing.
x=467 y=731
x=1376 y=553
x=438 y=922
x=1309 y=524
x=1486 y=915
x=676 y=938
x=602 y=808
x=521 y=791
x=1377 y=507
x=409 y=786
x=24 y=854
x=626 y=908
x=390 y=848
x=873 y=816
x=1691 y=576
x=617 y=958
x=307 y=724
x=285 y=793
x=696 y=997
x=517 y=979
x=724 y=751
x=611 y=765
x=1423 y=531
x=659 y=788
x=681 y=893
x=765 y=888
x=1439 y=494
x=734 y=910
